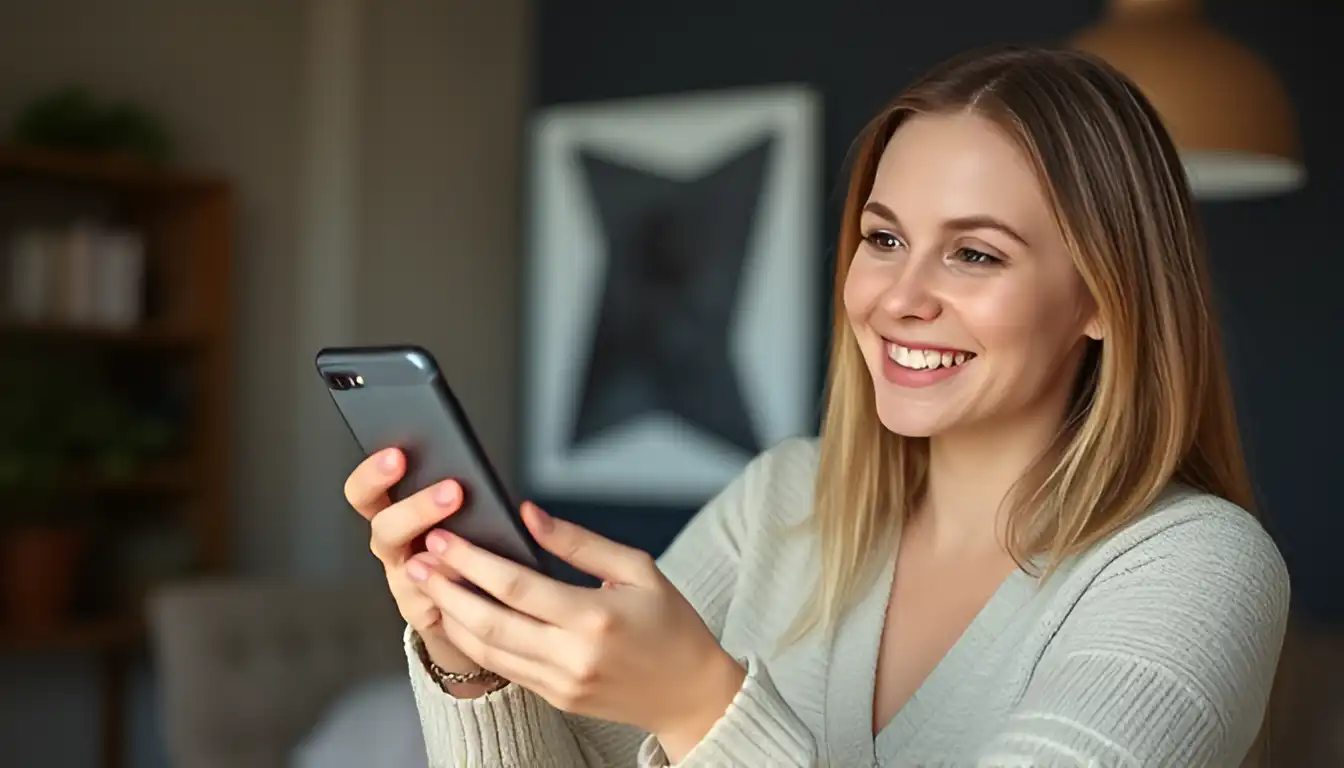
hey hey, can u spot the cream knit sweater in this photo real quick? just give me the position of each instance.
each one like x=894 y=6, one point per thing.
x=1156 y=648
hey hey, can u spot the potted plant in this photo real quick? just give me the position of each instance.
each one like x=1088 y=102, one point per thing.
x=62 y=434
x=43 y=542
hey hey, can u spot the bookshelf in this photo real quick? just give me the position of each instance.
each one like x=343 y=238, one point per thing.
x=115 y=347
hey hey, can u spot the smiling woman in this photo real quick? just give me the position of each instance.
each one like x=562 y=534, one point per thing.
x=1022 y=539
x=953 y=277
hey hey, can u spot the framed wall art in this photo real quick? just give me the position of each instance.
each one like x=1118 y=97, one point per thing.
x=673 y=314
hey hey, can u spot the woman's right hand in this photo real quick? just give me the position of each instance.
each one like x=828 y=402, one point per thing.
x=395 y=529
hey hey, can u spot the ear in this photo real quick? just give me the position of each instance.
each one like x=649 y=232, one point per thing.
x=1093 y=329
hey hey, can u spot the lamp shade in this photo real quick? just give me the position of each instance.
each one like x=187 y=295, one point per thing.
x=1228 y=114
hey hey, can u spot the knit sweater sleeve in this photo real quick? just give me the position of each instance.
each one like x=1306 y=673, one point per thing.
x=1166 y=659
x=759 y=727
x=515 y=727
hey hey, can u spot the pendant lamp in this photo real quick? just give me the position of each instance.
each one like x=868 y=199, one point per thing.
x=1226 y=110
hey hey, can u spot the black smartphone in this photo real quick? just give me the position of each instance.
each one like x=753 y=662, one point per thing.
x=397 y=397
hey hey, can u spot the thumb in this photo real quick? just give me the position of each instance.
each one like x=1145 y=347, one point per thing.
x=589 y=552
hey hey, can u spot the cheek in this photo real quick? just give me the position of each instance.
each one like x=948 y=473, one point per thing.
x=1030 y=322
x=861 y=291
x=1001 y=316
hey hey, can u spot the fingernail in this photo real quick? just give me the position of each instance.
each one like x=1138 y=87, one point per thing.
x=436 y=542
x=447 y=494
x=544 y=521
x=417 y=571
x=389 y=461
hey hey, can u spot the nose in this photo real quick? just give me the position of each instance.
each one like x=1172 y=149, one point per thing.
x=910 y=295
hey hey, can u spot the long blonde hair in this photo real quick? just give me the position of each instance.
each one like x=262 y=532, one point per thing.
x=1152 y=403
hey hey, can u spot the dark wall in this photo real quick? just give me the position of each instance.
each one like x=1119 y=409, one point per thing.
x=1276 y=263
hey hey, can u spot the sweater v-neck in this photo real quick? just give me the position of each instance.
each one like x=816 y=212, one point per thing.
x=852 y=660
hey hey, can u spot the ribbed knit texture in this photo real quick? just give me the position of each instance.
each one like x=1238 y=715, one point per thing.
x=1155 y=648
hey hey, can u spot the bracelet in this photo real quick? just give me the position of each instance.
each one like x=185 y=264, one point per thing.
x=443 y=678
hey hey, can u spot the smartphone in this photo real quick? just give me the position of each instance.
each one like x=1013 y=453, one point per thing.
x=398 y=397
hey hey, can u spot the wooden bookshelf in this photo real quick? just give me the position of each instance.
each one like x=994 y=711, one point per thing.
x=12 y=333
x=175 y=357
x=112 y=171
x=90 y=635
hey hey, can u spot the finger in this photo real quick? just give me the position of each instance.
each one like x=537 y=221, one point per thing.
x=421 y=565
x=587 y=551
x=514 y=585
x=366 y=487
x=414 y=605
x=495 y=626
x=397 y=526
x=528 y=673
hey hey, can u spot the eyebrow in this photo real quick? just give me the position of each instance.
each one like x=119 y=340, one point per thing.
x=961 y=223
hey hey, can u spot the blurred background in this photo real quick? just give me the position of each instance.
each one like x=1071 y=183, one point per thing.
x=196 y=196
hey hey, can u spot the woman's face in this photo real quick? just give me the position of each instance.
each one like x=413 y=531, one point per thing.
x=962 y=295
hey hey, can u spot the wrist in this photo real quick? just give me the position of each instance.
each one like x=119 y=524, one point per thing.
x=444 y=654
x=452 y=671
x=711 y=696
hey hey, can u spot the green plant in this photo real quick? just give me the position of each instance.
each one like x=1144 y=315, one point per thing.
x=71 y=118
x=114 y=438
x=59 y=429
x=33 y=457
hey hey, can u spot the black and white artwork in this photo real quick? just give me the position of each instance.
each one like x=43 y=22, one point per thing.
x=673 y=310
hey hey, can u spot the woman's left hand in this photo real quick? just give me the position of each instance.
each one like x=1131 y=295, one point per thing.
x=634 y=651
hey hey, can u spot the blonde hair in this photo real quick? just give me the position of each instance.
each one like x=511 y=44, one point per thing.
x=1152 y=402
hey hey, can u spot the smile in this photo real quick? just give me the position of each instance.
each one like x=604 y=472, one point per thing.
x=926 y=358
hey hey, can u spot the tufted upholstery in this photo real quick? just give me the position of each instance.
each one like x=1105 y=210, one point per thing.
x=247 y=669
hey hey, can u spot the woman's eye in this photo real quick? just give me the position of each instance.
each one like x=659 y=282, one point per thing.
x=972 y=256
x=883 y=240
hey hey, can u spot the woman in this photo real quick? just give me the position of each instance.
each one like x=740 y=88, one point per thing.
x=1021 y=539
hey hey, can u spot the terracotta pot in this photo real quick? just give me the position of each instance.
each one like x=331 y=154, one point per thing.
x=39 y=574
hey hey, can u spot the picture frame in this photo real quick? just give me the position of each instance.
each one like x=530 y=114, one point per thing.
x=672 y=311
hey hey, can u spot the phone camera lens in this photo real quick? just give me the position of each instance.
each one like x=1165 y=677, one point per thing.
x=343 y=381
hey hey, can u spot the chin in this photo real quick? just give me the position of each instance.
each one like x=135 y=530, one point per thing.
x=909 y=419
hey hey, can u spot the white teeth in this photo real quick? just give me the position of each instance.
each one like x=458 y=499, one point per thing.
x=925 y=359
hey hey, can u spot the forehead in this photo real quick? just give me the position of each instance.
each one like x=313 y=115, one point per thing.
x=949 y=166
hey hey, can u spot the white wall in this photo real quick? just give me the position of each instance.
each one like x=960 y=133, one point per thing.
x=426 y=165
x=442 y=172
